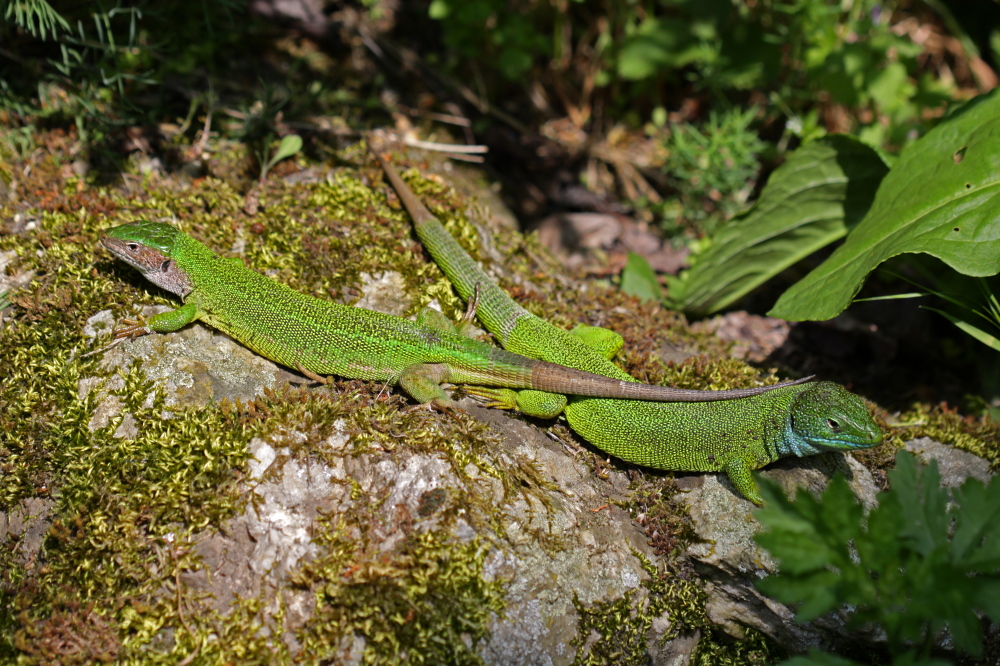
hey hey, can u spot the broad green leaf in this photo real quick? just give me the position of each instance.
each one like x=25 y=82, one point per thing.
x=942 y=197
x=813 y=199
x=289 y=145
x=975 y=521
x=639 y=279
x=976 y=541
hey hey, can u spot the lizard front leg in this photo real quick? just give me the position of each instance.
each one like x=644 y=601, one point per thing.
x=164 y=322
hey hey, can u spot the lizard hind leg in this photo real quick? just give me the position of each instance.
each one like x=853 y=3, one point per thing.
x=422 y=381
x=602 y=340
x=539 y=404
x=432 y=318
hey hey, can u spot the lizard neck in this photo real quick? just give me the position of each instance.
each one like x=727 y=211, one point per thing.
x=793 y=444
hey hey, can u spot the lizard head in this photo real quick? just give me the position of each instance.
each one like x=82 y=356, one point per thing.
x=150 y=248
x=826 y=416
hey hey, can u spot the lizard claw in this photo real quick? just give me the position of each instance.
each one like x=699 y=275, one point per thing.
x=471 y=307
x=134 y=328
x=492 y=398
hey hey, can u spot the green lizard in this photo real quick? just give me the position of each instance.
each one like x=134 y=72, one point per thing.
x=735 y=437
x=319 y=337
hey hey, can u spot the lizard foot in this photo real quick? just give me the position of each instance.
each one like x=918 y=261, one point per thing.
x=492 y=398
x=134 y=328
x=470 y=309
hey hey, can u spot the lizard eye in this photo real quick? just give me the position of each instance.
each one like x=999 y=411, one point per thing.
x=165 y=266
x=133 y=246
x=834 y=426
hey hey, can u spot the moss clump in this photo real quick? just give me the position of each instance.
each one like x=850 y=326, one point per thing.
x=702 y=372
x=976 y=434
x=622 y=626
x=754 y=649
x=123 y=522
x=654 y=505
x=425 y=603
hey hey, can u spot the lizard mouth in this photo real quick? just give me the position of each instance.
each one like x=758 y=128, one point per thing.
x=865 y=438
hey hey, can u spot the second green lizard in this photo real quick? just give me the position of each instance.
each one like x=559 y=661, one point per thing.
x=734 y=437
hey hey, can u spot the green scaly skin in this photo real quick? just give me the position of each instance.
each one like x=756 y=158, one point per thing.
x=321 y=338
x=734 y=437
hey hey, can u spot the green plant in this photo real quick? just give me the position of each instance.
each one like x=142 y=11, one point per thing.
x=95 y=57
x=921 y=563
x=937 y=198
x=25 y=13
x=110 y=66
x=289 y=146
x=713 y=166
x=639 y=279
x=813 y=199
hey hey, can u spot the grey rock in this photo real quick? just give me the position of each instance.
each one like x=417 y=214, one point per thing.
x=195 y=366
x=596 y=561
x=384 y=292
x=954 y=464
x=730 y=561
x=28 y=521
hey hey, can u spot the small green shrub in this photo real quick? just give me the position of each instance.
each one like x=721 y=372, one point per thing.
x=713 y=166
x=921 y=563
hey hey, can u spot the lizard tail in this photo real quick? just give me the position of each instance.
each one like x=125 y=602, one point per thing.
x=568 y=381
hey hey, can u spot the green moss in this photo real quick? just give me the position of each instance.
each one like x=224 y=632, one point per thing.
x=755 y=648
x=622 y=626
x=704 y=372
x=125 y=512
x=654 y=505
x=979 y=435
x=426 y=602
